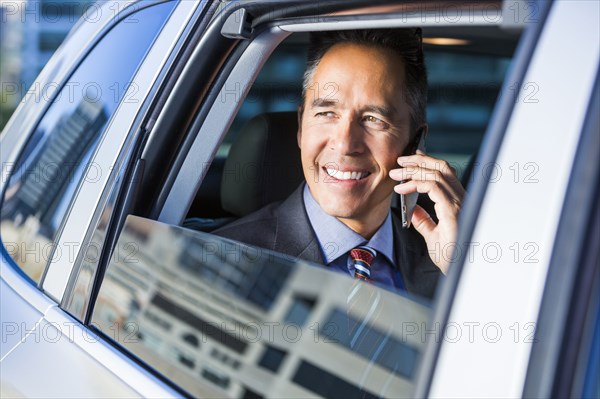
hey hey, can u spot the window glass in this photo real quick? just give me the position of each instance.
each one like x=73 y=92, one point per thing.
x=214 y=340
x=57 y=157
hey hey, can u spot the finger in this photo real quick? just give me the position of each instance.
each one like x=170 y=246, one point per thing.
x=422 y=160
x=418 y=174
x=421 y=173
x=422 y=221
x=446 y=205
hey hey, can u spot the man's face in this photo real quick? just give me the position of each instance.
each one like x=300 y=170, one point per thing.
x=354 y=126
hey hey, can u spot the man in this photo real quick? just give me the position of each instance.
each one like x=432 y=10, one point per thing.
x=363 y=107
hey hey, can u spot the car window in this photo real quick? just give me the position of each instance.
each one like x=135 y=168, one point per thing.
x=57 y=157
x=219 y=318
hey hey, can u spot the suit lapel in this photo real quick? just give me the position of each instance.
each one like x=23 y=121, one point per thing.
x=294 y=235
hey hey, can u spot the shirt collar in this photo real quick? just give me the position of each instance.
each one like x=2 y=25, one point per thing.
x=336 y=239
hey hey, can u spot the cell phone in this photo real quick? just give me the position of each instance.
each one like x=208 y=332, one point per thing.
x=408 y=201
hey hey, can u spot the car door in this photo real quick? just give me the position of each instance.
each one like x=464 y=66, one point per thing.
x=162 y=297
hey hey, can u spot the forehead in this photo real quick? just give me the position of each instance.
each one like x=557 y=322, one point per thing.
x=361 y=70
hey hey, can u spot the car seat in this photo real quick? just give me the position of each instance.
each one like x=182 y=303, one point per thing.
x=263 y=166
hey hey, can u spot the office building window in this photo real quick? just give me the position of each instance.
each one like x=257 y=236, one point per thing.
x=327 y=385
x=299 y=311
x=272 y=358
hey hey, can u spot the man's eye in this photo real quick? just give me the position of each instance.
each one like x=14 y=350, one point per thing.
x=376 y=122
x=326 y=114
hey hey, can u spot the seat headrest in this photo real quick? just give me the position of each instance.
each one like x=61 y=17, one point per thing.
x=263 y=163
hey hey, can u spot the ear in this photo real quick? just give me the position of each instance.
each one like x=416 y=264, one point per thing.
x=299 y=134
x=424 y=128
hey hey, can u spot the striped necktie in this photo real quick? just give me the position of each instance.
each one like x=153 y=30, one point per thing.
x=361 y=293
x=362 y=257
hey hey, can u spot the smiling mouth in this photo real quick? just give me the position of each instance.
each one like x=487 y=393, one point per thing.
x=347 y=175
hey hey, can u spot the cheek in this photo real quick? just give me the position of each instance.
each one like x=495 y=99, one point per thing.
x=387 y=155
x=308 y=154
x=310 y=143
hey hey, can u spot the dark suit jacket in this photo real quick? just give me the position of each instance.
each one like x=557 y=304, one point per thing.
x=284 y=227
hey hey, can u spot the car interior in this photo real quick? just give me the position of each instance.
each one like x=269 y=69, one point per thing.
x=258 y=161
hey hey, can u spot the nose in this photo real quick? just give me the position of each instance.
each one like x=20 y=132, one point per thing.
x=346 y=137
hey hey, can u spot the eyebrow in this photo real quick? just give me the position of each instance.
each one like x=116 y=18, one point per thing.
x=323 y=102
x=387 y=111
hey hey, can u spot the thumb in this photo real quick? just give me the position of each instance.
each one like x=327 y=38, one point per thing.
x=422 y=222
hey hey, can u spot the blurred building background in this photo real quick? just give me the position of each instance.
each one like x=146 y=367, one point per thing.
x=30 y=32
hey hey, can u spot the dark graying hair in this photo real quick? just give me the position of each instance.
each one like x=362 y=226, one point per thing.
x=405 y=42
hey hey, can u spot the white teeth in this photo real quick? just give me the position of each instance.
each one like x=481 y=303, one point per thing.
x=339 y=175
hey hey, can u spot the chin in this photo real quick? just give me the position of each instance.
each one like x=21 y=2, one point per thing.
x=340 y=210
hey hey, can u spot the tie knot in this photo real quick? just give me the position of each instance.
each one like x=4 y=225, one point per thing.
x=362 y=257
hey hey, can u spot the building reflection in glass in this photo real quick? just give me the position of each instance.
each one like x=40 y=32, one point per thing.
x=36 y=201
x=223 y=319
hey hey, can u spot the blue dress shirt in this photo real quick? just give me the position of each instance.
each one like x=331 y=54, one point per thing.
x=336 y=240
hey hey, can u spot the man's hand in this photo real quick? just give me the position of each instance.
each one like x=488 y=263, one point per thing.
x=437 y=178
